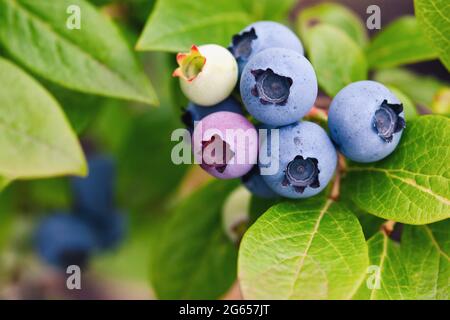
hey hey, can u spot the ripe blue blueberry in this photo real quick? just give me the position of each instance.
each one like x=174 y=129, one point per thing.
x=94 y=202
x=278 y=86
x=306 y=161
x=94 y=195
x=366 y=121
x=253 y=180
x=110 y=231
x=260 y=36
x=64 y=240
x=255 y=183
x=195 y=112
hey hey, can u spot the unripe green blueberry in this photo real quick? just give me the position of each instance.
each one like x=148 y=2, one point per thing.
x=208 y=74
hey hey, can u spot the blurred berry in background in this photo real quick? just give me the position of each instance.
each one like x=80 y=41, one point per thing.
x=63 y=240
x=93 y=225
x=94 y=195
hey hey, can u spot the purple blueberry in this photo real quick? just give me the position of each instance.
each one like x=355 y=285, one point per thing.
x=260 y=36
x=305 y=161
x=278 y=86
x=225 y=144
x=366 y=121
x=195 y=112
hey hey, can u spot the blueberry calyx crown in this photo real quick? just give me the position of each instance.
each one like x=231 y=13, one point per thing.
x=190 y=64
x=241 y=47
x=271 y=88
x=387 y=120
x=218 y=155
x=301 y=173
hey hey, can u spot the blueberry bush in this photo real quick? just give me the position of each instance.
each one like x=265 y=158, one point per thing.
x=370 y=222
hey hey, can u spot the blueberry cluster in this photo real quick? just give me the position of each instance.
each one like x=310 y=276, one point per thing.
x=278 y=87
x=93 y=225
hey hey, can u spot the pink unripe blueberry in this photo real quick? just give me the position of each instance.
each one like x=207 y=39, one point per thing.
x=225 y=144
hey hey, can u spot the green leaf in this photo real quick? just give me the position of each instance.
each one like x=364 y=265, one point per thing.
x=412 y=185
x=337 y=59
x=268 y=9
x=370 y=224
x=3 y=183
x=260 y=205
x=421 y=89
x=36 y=139
x=310 y=249
x=335 y=15
x=195 y=259
x=425 y=251
x=408 y=106
x=401 y=42
x=6 y=217
x=147 y=173
x=433 y=18
x=175 y=25
x=387 y=278
x=79 y=108
x=147 y=177
x=94 y=59
x=102 y=2
x=113 y=114
x=45 y=195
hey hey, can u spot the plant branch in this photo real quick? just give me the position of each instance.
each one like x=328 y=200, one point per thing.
x=336 y=188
